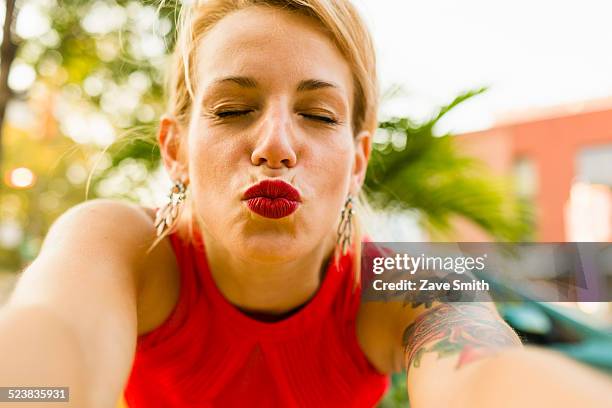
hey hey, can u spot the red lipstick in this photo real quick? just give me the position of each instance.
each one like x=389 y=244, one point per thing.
x=272 y=198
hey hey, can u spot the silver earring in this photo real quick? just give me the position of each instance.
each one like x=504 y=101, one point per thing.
x=345 y=228
x=169 y=212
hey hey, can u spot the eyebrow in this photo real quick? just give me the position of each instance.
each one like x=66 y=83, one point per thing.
x=305 y=85
x=314 y=84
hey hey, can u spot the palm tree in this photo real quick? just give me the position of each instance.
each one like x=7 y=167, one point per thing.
x=417 y=170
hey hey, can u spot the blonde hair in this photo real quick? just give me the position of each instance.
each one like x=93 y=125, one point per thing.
x=345 y=27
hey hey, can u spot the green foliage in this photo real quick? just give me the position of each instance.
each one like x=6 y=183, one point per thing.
x=397 y=395
x=96 y=69
x=416 y=169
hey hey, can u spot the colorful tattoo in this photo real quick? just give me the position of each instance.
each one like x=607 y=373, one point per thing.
x=468 y=329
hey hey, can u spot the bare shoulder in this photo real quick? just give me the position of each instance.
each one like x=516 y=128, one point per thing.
x=102 y=225
x=95 y=276
x=108 y=228
x=123 y=232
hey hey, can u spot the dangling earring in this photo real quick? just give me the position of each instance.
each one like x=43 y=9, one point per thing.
x=345 y=228
x=168 y=214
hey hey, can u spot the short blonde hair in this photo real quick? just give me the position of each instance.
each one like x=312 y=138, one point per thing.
x=339 y=18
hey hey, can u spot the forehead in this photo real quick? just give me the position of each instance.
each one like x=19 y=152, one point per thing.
x=276 y=47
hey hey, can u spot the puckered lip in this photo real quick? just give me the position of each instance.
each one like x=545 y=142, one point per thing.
x=272 y=189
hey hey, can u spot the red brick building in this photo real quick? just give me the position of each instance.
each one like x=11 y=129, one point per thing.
x=562 y=159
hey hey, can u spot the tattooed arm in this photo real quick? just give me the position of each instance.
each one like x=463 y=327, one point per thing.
x=464 y=331
x=465 y=355
x=442 y=339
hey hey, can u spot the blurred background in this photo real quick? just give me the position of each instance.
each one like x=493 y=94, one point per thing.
x=495 y=122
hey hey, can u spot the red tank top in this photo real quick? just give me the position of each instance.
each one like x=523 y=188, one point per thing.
x=210 y=354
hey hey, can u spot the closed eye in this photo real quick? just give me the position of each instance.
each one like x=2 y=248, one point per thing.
x=320 y=118
x=234 y=113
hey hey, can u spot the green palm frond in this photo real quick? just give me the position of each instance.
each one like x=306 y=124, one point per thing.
x=416 y=169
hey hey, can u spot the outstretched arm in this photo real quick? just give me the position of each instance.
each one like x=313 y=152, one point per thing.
x=464 y=332
x=71 y=321
x=465 y=355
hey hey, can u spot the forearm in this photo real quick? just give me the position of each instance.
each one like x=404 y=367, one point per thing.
x=37 y=349
x=463 y=355
x=531 y=377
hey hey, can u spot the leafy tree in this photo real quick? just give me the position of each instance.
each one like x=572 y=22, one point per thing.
x=85 y=126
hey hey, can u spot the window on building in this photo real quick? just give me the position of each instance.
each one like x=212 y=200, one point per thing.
x=588 y=212
x=526 y=177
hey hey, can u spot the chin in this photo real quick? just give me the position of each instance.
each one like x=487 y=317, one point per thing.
x=271 y=247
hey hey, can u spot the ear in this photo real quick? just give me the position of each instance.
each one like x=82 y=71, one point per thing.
x=169 y=138
x=363 y=146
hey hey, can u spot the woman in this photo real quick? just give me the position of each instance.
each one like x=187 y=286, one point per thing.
x=249 y=295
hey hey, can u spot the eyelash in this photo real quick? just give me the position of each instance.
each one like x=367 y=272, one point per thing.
x=238 y=113
x=325 y=119
x=232 y=113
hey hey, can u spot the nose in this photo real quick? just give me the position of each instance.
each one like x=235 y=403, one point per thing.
x=274 y=142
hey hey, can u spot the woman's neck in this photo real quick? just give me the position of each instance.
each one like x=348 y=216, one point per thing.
x=261 y=289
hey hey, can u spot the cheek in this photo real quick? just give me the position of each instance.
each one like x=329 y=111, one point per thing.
x=326 y=171
x=331 y=161
x=212 y=162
